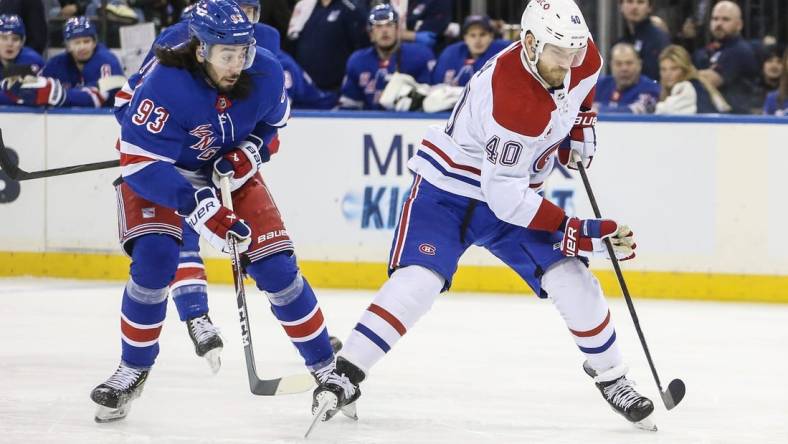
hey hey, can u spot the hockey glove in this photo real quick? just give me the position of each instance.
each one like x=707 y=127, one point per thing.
x=40 y=92
x=586 y=238
x=582 y=140
x=241 y=164
x=216 y=223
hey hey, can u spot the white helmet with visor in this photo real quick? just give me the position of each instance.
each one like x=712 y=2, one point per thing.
x=559 y=30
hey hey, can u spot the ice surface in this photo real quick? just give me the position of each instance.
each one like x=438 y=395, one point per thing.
x=476 y=369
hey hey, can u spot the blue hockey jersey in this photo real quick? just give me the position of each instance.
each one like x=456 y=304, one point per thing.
x=366 y=75
x=27 y=56
x=640 y=98
x=301 y=89
x=176 y=125
x=772 y=106
x=455 y=67
x=82 y=86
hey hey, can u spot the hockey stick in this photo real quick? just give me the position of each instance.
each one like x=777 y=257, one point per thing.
x=18 y=174
x=263 y=387
x=676 y=389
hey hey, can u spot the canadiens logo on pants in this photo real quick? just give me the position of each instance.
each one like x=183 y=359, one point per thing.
x=427 y=249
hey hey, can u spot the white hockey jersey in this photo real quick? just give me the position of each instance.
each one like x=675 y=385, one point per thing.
x=501 y=140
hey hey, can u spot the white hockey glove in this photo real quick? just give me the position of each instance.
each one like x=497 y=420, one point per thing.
x=585 y=237
x=442 y=98
x=403 y=93
x=217 y=223
x=582 y=140
x=241 y=164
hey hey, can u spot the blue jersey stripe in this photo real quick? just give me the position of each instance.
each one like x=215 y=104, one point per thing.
x=440 y=168
x=361 y=328
x=604 y=347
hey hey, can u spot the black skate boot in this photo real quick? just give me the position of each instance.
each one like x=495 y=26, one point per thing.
x=337 y=390
x=618 y=391
x=206 y=339
x=114 y=396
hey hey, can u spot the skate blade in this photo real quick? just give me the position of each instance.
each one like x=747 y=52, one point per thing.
x=107 y=414
x=326 y=401
x=350 y=411
x=646 y=424
x=214 y=359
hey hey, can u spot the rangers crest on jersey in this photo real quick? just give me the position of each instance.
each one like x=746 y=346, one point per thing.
x=205 y=134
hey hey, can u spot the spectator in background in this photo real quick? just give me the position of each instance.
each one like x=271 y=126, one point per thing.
x=333 y=30
x=647 y=38
x=427 y=21
x=683 y=91
x=460 y=60
x=728 y=63
x=33 y=16
x=72 y=8
x=276 y=13
x=369 y=69
x=771 y=72
x=16 y=60
x=776 y=103
x=626 y=90
x=89 y=73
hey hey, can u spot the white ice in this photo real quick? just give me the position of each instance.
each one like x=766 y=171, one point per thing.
x=476 y=369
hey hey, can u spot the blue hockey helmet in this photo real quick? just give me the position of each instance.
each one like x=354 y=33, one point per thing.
x=12 y=24
x=382 y=14
x=186 y=14
x=79 y=27
x=221 y=22
x=254 y=4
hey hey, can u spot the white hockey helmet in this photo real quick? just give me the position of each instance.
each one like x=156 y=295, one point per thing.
x=556 y=22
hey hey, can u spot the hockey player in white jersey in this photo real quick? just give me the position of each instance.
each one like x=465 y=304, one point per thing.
x=477 y=182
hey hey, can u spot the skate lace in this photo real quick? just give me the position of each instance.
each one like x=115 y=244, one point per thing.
x=328 y=375
x=622 y=394
x=123 y=378
x=203 y=328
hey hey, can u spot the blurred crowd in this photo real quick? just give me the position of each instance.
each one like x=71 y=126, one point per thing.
x=413 y=55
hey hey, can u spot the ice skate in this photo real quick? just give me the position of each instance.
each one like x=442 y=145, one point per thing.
x=114 y=396
x=206 y=339
x=337 y=390
x=618 y=391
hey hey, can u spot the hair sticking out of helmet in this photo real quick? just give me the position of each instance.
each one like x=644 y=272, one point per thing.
x=12 y=24
x=79 y=27
x=558 y=23
x=382 y=14
x=221 y=22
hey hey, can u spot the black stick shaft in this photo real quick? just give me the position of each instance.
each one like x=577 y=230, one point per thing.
x=619 y=275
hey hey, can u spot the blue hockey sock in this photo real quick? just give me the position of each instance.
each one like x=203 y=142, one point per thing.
x=295 y=306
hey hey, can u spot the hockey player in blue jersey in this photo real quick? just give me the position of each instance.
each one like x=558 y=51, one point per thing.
x=457 y=63
x=89 y=72
x=202 y=111
x=368 y=70
x=16 y=59
x=189 y=289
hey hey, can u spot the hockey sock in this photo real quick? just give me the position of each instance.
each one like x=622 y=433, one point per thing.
x=144 y=305
x=189 y=290
x=295 y=306
x=403 y=299
x=578 y=297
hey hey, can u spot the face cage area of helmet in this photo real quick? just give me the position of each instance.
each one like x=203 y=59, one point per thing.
x=225 y=57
